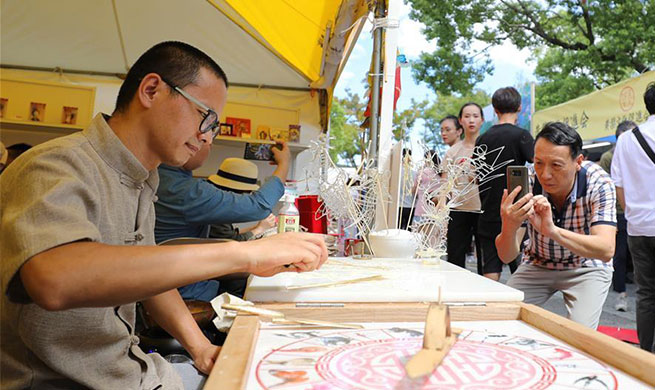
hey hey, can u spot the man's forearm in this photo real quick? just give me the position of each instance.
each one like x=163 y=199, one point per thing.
x=281 y=171
x=593 y=246
x=86 y=274
x=620 y=195
x=508 y=244
x=170 y=312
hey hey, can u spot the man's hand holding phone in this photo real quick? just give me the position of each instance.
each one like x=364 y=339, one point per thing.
x=512 y=211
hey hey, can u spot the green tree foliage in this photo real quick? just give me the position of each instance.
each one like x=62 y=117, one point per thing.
x=344 y=132
x=404 y=121
x=347 y=114
x=579 y=45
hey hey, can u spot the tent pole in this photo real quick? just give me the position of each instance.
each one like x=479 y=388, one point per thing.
x=375 y=92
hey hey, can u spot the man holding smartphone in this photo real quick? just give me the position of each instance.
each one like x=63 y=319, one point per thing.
x=570 y=215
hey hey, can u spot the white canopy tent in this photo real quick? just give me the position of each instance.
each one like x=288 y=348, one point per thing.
x=278 y=55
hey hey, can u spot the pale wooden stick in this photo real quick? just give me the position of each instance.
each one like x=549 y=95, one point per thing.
x=329 y=284
x=343 y=263
x=384 y=211
x=279 y=317
x=252 y=310
x=306 y=321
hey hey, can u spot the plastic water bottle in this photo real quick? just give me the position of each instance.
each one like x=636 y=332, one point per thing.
x=289 y=217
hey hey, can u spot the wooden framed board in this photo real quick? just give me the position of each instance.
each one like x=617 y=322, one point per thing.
x=503 y=345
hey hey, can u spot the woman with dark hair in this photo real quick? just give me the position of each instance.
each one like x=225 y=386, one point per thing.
x=451 y=130
x=464 y=216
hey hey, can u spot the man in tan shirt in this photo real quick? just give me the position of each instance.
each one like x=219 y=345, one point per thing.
x=78 y=243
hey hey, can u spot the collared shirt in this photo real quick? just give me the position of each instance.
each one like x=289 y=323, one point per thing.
x=83 y=187
x=186 y=206
x=635 y=172
x=591 y=202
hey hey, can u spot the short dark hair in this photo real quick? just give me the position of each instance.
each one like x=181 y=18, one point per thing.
x=559 y=133
x=623 y=127
x=506 y=100
x=649 y=98
x=16 y=150
x=176 y=62
x=461 y=110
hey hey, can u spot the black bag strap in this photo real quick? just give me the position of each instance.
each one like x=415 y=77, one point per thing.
x=644 y=144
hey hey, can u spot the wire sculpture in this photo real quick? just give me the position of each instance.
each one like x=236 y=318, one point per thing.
x=450 y=185
x=353 y=198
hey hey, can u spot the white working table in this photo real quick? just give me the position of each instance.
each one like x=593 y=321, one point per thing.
x=404 y=280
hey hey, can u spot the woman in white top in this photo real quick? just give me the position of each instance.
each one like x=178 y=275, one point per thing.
x=464 y=216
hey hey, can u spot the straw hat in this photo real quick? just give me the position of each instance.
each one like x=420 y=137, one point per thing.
x=236 y=174
x=4 y=154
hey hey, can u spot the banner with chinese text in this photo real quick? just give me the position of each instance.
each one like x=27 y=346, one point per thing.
x=597 y=114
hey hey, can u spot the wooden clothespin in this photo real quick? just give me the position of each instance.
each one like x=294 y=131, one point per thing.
x=438 y=339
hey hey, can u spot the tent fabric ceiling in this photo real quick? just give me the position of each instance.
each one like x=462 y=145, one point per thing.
x=304 y=51
x=83 y=35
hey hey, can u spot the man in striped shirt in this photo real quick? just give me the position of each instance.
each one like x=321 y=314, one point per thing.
x=570 y=216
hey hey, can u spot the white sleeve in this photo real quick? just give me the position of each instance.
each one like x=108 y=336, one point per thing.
x=617 y=160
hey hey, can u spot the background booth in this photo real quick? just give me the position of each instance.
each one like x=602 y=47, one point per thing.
x=62 y=63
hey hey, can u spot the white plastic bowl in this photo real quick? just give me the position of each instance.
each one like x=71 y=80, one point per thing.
x=394 y=243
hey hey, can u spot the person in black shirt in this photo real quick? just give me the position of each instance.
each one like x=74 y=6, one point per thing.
x=518 y=147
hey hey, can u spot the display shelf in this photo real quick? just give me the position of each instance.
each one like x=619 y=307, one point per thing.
x=39 y=126
x=236 y=141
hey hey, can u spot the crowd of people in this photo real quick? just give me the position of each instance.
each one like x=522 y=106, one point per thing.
x=579 y=224
x=82 y=214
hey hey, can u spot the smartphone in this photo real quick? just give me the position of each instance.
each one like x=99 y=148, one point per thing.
x=256 y=151
x=517 y=175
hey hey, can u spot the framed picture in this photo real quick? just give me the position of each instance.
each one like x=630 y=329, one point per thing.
x=279 y=134
x=226 y=130
x=37 y=112
x=263 y=132
x=241 y=126
x=294 y=133
x=3 y=107
x=69 y=115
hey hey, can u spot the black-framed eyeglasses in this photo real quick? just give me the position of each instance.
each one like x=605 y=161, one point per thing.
x=209 y=117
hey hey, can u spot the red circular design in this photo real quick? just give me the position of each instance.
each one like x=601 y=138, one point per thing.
x=478 y=360
x=379 y=364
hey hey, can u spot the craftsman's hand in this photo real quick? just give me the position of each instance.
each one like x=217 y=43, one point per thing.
x=542 y=218
x=513 y=214
x=286 y=252
x=205 y=356
x=264 y=225
x=281 y=154
x=267 y=222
